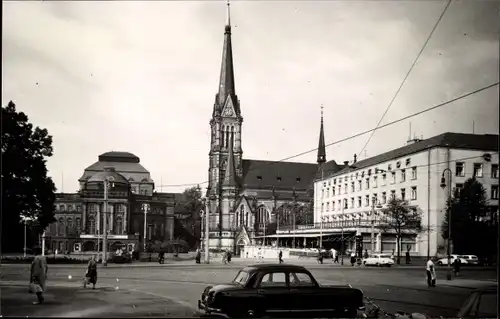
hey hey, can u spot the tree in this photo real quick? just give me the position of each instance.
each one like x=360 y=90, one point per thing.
x=194 y=205
x=468 y=208
x=26 y=188
x=401 y=218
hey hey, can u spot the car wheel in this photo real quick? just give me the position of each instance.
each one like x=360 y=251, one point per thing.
x=253 y=314
x=440 y=263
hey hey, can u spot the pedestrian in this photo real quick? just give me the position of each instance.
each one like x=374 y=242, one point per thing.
x=335 y=256
x=38 y=277
x=320 y=256
x=229 y=255
x=407 y=257
x=91 y=274
x=280 y=257
x=224 y=257
x=198 y=256
x=431 y=273
x=456 y=266
x=366 y=254
x=353 y=259
x=161 y=257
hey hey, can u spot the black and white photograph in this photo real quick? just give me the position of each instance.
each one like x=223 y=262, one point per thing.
x=250 y=159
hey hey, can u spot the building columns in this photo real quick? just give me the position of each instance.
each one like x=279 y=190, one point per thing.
x=83 y=224
x=125 y=219
x=378 y=243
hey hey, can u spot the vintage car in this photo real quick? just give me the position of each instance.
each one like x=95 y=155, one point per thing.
x=280 y=290
x=378 y=260
x=444 y=261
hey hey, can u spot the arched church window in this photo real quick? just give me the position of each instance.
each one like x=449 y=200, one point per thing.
x=227 y=136
x=232 y=135
x=222 y=136
x=242 y=215
x=119 y=226
x=262 y=215
x=91 y=225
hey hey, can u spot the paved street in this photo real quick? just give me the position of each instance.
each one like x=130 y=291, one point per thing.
x=173 y=289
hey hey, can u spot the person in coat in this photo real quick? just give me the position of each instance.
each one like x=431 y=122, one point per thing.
x=431 y=273
x=38 y=277
x=456 y=266
x=198 y=256
x=91 y=274
x=280 y=257
x=353 y=259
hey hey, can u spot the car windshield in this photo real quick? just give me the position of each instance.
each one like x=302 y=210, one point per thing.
x=241 y=278
x=385 y=256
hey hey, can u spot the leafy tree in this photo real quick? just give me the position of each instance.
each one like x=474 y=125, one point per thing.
x=26 y=188
x=193 y=205
x=468 y=208
x=401 y=218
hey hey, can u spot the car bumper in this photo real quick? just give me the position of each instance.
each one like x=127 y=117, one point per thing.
x=206 y=310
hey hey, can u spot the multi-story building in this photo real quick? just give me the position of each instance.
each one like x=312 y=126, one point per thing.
x=353 y=197
x=80 y=216
x=244 y=196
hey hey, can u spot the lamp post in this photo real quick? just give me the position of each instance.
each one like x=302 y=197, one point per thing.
x=43 y=244
x=443 y=185
x=25 y=220
x=145 y=208
x=207 y=230
x=108 y=182
x=372 y=238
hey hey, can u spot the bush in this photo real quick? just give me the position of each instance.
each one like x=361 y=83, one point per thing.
x=50 y=260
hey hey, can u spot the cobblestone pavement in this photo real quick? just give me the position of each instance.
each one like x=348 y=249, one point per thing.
x=174 y=290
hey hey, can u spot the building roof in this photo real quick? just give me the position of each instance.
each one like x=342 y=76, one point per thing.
x=122 y=162
x=486 y=142
x=108 y=173
x=119 y=157
x=281 y=175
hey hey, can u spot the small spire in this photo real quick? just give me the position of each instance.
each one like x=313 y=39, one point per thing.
x=321 y=147
x=228 y=13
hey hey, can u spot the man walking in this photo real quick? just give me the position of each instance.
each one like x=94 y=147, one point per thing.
x=280 y=257
x=335 y=256
x=431 y=273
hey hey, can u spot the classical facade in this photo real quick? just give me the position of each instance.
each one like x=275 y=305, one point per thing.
x=246 y=196
x=80 y=217
x=350 y=200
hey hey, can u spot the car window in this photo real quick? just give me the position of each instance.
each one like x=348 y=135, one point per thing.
x=273 y=279
x=300 y=279
x=487 y=306
x=385 y=256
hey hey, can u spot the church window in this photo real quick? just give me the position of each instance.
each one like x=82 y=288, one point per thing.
x=262 y=216
x=242 y=217
x=232 y=135
x=91 y=222
x=119 y=226
x=222 y=136
x=227 y=136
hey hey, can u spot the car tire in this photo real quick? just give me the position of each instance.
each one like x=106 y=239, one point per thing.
x=440 y=263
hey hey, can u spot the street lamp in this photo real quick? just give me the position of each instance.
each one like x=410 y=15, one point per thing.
x=323 y=218
x=108 y=182
x=145 y=208
x=25 y=219
x=443 y=185
x=205 y=215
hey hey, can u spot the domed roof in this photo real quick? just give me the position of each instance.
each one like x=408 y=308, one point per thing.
x=124 y=157
x=108 y=174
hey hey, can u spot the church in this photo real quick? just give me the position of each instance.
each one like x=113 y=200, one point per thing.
x=248 y=199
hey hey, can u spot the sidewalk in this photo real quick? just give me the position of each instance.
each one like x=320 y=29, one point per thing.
x=70 y=300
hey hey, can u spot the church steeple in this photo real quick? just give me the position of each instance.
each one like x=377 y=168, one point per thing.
x=226 y=81
x=321 y=147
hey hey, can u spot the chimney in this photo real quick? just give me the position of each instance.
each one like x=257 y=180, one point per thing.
x=355 y=158
x=346 y=163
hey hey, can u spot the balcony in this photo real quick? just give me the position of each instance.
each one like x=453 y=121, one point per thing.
x=100 y=195
x=336 y=224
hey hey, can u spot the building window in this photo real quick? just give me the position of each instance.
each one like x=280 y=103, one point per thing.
x=384 y=179
x=408 y=162
x=374 y=181
x=322 y=207
x=91 y=225
x=162 y=230
x=494 y=170
x=359 y=201
x=340 y=189
x=333 y=205
x=345 y=188
x=352 y=202
x=414 y=172
x=494 y=191
x=340 y=204
x=367 y=183
x=393 y=177
x=384 y=198
x=389 y=167
x=478 y=170
x=403 y=193
x=328 y=192
x=121 y=208
x=150 y=232
x=61 y=227
x=353 y=189
x=460 y=169
x=367 y=200
x=374 y=199
x=393 y=194
x=78 y=224
x=334 y=181
x=359 y=185
x=62 y=208
x=78 y=208
x=322 y=193
x=403 y=176
x=345 y=203
x=333 y=191
x=414 y=193
x=69 y=222
x=459 y=187
x=327 y=207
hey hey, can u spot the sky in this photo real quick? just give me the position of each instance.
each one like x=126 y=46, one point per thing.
x=142 y=77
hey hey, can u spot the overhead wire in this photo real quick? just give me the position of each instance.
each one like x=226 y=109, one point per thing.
x=406 y=77
x=357 y=134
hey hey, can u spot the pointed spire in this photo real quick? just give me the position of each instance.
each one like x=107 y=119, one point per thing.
x=226 y=81
x=230 y=175
x=321 y=147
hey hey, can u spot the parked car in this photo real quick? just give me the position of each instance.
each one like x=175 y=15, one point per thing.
x=471 y=259
x=378 y=260
x=280 y=289
x=444 y=261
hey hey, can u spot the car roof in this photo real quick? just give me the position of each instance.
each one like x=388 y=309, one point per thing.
x=287 y=267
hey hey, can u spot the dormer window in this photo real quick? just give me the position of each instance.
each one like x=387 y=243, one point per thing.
x=334 y=181
x=398 y=164
x=408 y=162
x=298 y=180
x=278 y=179
x=259 y=178
x=389 y=167
x=369 y=172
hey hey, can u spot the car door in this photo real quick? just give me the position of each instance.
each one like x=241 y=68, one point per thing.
x=306 y=296
x=273 y=293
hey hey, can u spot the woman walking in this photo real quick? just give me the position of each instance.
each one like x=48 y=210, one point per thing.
x=91 y=274
x=38 y=277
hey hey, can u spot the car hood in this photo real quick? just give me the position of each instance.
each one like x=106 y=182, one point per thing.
x=224 y=287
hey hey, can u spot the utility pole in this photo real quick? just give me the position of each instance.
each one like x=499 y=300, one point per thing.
x=145 y=208
x=207 y=232
x=342 y=235
x=104 y=223
x=43 y=244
